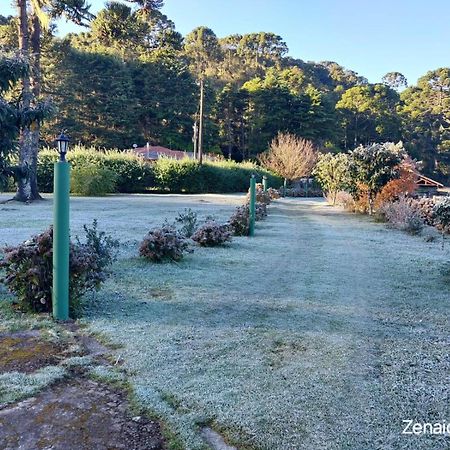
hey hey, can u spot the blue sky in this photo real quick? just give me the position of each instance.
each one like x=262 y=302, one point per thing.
x=372 y=37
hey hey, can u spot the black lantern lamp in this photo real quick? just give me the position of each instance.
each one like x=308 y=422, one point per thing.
x=63 y=145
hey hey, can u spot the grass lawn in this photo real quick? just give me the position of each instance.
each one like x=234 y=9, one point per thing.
x=324 y=331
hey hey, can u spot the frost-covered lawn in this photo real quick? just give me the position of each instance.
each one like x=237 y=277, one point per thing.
x=324 y=331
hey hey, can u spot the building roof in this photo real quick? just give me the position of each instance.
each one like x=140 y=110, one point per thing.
x=428 y=182
x=154 y=152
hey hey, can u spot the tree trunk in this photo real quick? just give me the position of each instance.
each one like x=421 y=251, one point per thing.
x=370 y=202
x=29 y=136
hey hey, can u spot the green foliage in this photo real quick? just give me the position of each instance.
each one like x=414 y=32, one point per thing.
x=374 y=166
x=92 y=181
x=332 y=173
x=369 y=114
x=131 y=173
x=442 y=214
x=212 y=234
x=223 y=176
x=29 y=268
x=425 y=114
x=188 y=221
x=163 y=244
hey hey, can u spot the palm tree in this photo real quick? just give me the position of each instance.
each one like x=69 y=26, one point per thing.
x=35 y=16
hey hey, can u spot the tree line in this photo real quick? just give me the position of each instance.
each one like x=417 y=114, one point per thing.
x=130 y=77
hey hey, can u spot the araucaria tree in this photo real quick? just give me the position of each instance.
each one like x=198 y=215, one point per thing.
x=290 y=156
x=372 y=167
x=331 y=172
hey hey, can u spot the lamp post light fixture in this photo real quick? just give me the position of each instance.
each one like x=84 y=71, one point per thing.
x=252 y=205
x=63 y=145
x=61 y=238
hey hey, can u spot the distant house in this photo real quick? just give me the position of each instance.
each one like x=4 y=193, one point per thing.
x=427 y=186
x=154 y=152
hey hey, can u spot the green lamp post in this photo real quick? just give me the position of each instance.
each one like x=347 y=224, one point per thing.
x=61 y=239
x=252 y=205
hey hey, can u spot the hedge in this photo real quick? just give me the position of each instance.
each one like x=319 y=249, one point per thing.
x=165 y=175
x=133 y=174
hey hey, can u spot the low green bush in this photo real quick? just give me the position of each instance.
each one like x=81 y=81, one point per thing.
x=132 y=173
x=188 y=222
x=92 y=181
x=188 y=176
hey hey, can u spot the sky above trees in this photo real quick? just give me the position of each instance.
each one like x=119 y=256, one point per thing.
x=372 y=38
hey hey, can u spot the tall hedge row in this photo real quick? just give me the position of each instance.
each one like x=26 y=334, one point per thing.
x=133 y=174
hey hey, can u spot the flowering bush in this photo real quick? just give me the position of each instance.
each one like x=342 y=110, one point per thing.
x=163 y=244
x=212 y=234
x=402 y=215
x=29 y=268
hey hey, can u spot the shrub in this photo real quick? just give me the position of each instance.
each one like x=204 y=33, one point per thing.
x=133 y=174
x=240 y=221
x=188 y=176
x=273 y=193
x=29 y=268
x=212 y=234
x=189 y=222
x=404 y=185
x=260 y=211
x=402 y=215
x=442 y=213
x=163 y=244
x=425 y=206
x=92 y=181
x=343 y=199
x=261 y=196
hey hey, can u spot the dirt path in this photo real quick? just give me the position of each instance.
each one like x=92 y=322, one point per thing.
x=76 y=412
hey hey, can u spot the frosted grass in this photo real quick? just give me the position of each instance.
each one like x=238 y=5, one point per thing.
x=15 y=386
x=325 y=331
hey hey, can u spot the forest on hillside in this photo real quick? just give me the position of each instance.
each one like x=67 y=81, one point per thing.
x=130 y=77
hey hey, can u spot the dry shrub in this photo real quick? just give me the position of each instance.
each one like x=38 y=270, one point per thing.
x=405 y=185
x=402 y=215
x=163 y=244
x=212 y=234
x=290 y=156
x=343 y=199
